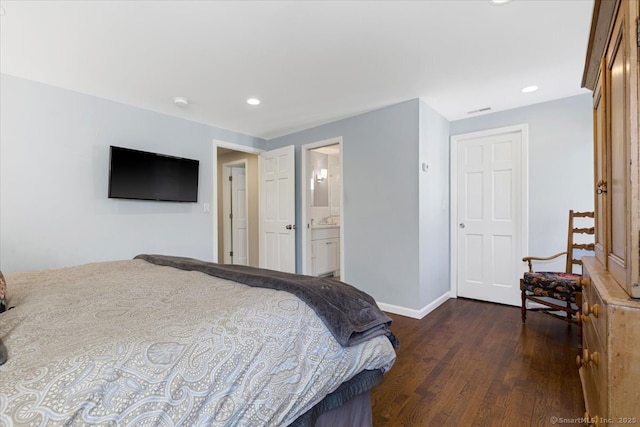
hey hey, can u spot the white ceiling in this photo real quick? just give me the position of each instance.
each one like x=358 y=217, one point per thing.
x=310 y=62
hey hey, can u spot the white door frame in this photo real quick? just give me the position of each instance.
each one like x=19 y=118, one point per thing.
x=306 y=205
x=214 y=169
x=227 y=241
x=453 y=220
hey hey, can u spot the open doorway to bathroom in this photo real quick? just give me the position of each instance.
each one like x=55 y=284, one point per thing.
x=322 y=209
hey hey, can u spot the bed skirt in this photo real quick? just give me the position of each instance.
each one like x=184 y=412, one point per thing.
x=349 y=405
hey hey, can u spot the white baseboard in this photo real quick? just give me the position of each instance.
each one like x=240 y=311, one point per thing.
x=416 y=314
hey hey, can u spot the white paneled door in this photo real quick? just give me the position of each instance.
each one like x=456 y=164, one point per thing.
x=489 y=224
x=234 y=214
x=239 y=220
x=277 y=209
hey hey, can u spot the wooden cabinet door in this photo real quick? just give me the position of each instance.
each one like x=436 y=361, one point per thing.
x=617 y=93
x=600 y=167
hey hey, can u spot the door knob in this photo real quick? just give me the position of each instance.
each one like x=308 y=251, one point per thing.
x=461 y=225
x=291 y=227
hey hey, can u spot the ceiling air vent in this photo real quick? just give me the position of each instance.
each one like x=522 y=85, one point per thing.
x=479 y=110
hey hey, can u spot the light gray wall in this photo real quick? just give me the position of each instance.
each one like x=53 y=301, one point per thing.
x=54 y=167
x=381 y=199
x=560 y=165
x=434 y=205
x=54 y=209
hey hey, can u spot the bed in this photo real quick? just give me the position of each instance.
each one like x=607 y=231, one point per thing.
x=170 y=341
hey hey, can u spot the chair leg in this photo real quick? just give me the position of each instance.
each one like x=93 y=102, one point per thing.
x=579 y=318
x=523 y=308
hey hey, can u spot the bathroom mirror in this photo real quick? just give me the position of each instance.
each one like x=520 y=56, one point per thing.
x=319 y=179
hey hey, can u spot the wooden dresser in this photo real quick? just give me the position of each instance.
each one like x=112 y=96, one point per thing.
x=610 y=362
x=610 y=371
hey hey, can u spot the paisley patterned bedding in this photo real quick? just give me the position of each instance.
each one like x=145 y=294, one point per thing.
x=131 y=343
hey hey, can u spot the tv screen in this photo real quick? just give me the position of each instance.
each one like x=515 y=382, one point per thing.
x=141 y=175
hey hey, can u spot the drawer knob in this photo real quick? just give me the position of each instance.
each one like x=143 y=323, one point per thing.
x=584 y=281
x=587 y=358
x=587 y=310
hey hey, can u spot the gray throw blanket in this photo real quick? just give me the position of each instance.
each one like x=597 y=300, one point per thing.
x=351 y=315
x=3 y=353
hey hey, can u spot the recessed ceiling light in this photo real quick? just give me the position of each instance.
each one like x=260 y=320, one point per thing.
x=253 y=101
x=499 y=2
x=181 y=101
x=529 y=89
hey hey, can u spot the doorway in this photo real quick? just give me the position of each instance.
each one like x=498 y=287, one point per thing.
x=489 y=213
x=267 y=198
x=240 y=201
x=322 y=209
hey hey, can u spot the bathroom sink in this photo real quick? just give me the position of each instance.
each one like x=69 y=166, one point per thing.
x=322 y=225
x=331 y=221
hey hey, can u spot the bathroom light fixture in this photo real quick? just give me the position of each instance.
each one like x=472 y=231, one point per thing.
x=181 y=101
x=530 y=89
x=253 y=101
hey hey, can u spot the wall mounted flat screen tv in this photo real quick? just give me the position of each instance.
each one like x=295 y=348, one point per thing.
x=142 y=175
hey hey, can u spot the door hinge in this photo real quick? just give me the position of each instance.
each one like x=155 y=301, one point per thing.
x=230 y=216
x=638 y=32
x=230 y=178
x=231 y=254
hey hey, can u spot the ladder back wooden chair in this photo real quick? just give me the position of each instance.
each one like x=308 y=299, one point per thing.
x=560 y=293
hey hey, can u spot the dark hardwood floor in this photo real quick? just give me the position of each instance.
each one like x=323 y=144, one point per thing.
x=471 y=363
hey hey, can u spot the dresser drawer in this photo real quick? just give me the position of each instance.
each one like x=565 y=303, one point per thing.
x=594 y=371
x=588 y=289
x=594 y=314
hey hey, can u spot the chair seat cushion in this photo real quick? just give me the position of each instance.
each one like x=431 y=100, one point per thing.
x=560 y=286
